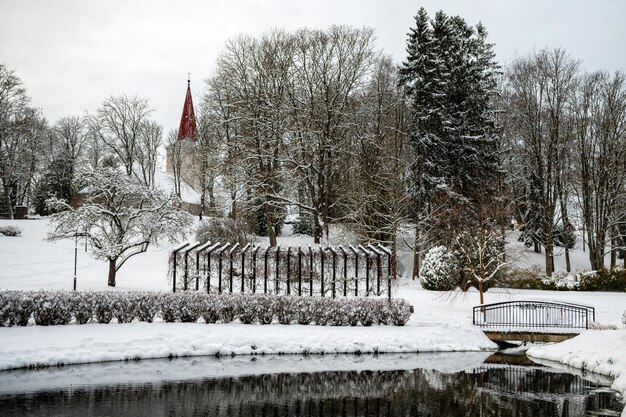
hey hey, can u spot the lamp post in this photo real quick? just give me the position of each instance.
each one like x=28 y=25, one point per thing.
x=75 y=256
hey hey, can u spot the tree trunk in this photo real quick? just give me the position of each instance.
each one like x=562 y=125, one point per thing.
x=317 y=229
x=549 y=260
x=112 y=272
x=394 y=252
x=613 y=251
x=416 y=253
x=480 y=289
x=271 y=231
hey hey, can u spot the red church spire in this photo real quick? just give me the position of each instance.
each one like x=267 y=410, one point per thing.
x=187 y=129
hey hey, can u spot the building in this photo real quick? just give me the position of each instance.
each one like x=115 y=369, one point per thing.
x=182 y=158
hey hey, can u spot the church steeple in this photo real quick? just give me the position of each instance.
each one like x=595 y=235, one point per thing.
x=187 y=129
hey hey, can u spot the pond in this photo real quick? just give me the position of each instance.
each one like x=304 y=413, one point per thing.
x=428 y=384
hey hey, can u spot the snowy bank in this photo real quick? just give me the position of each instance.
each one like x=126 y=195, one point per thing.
x=599 y=351
x=197 y=368
x=55 y=345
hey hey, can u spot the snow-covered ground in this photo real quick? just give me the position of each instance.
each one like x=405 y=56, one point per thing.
x=441 y=322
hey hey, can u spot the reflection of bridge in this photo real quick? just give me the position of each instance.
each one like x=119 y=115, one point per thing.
x=533 y=321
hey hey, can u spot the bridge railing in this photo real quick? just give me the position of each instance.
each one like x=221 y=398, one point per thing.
x=533 y=315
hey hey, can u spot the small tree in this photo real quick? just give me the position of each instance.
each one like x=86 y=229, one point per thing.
x=119 y=218
x=482 y=256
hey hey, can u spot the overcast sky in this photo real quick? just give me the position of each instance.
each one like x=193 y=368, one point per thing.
x=71 y=55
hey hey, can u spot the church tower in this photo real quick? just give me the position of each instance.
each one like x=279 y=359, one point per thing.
x=181 y=155
x=187 y=129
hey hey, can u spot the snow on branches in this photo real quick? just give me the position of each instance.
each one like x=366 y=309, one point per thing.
x=119 y=218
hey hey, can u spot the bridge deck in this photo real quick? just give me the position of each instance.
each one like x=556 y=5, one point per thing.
x=532 y=321
x=528 y=336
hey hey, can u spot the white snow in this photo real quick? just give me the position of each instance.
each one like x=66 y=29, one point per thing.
x=598 y=351
x=442 y=321
x=113 y=342
x=140 y=372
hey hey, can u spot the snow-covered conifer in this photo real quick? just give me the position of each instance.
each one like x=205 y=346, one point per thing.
x=440 y=269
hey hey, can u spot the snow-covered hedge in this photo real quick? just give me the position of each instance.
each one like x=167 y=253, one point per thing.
x=10 y=231
x=603 y=280
x=60 y=307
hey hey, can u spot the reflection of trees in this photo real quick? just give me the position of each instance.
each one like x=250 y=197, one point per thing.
x=502 y=391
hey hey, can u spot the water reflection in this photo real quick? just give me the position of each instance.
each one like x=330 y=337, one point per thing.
x=483 y=390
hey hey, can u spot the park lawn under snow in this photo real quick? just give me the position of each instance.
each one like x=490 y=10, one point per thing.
x=441 y=322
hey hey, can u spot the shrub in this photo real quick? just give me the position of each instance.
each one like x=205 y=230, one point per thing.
x=58 y=307
x=366 y=313
x=16 y=308
x=210 y=309
x=286 y=309
x=303 y=225
x=190 y=306
x=603 y=280
x=227 y=305
x=305 y=308
x=123 y=307
x=322 y=311
x=384 y=312
x=169 y=307
x=217 y=229
x=52 y=308
x=103 y=306
x=147 y=305
x=624 y=318
x=247 y=309
x=564 y=237
x=265 y=309
x=400 y=312
x=11 y=231
x=81 y=306
x=440 y=270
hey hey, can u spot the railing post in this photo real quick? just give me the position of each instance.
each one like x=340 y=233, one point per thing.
x=265 y=270
x=334 y=269
x=219 y=274
x=321 y=271
x=310 y=272
x=230 y=256
x=377 y=253
x=198 y=252
x=189 y=249
x=288 y=270
x=345 y=271
x=243 y=266
x=175 y=264
x=388 y=253
x=356 y=270
x=299 y=271
x=367 y=270
x=208 y=266
x=276 y=282
x=254 y=253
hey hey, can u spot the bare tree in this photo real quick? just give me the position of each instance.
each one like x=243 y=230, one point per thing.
x=377 y=199
x=541 y=85
x=121 y=122
x=150 y=140
x=330 y=67
x=599 y=117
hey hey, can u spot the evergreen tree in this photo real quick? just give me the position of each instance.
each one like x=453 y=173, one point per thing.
x=450 y=78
